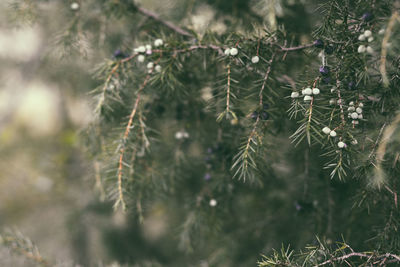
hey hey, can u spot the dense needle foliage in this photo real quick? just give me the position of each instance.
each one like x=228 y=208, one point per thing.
x=281 y=130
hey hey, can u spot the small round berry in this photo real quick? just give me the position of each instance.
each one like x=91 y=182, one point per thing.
x=354 y=142
x=319 y=43
x=158 y=42
x=307 y=91
x=381 y=31
x=234 y=51
x=361 y=37
x=255 y=59
x=370 y=39
x=333 y=89
x=351 y=108
x=294 y=95
x=307 y=98
x=326 y=130
x=324 y=70
x=329 y=49
x=332 y=101
x=141 y=58
x=141 y=49
x=367 y=16
x=361 y=105
x=341 y=144
x=315 y=91
x=360 y=116
x=148 y=47
x=351 y=85
x=361 y=49
x=227 y=51
x=359 y=110
x=351 y=103
x=333 y=133
x=370 y=50
x=178 y=135
x=367 y=33
x=150 y=65
x=355 y=122
x=264 y=115
x=158 y=68
x=74 y=6
x=354 y=115
x=213 y=203
x=118 y=54
x=254 y=115
x=207 y=176
x=326 y=80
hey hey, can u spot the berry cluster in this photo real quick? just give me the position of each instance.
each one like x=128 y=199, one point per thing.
x=307 y=93
x=147 y=50
x=332 y=133
x=365 y=37
x=231 y=51
x=355 y=112
x=263 y=114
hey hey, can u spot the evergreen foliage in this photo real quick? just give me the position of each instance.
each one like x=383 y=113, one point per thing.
x=243 y=154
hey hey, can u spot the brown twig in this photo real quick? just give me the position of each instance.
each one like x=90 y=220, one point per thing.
x=166 y=23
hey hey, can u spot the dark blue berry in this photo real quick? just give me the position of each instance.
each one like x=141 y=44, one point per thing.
x=319 y=43
x=264 y=115
x=118 y=54
x=265 y=106
x=326 y=80
x=254 y=115
x=324 y=70
x=351 y=85
x=367 y=16
x=329 y=49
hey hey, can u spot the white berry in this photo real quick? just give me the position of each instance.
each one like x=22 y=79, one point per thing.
x=332 y=133
x=354 y=142
x=332 y=101
x=74 y=6
x=361 y=105
x=341 y=144
x=307 y=91
x=227 y=51
x=178 y=135
x=150 y=65
x=213 y=203
x=355 y=122
x=158 y=42
x=381 y=31
x=361 y=37
x=234 y=51
x=141 y=49
x=326 y=130
x=370 y=50
x=367 y=33
x=354 y=115
x=351 y=103
x=294 y=95
x=141 y=58
x=255 y=59
x=307 y=98
x=351 y=109
x=360 y=116
x=359 y=110
x=158 y=68
x=370 y=39
x=315 y=91
x=361 y=49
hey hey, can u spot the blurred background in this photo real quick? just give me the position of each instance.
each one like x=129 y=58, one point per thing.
x=47 y=178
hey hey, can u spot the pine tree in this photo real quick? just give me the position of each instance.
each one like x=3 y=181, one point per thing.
x=276 y=135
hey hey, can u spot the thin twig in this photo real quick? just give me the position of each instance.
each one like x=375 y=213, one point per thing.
x=166 y=23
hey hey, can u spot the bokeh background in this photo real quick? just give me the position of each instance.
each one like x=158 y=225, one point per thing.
x=48 y=186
